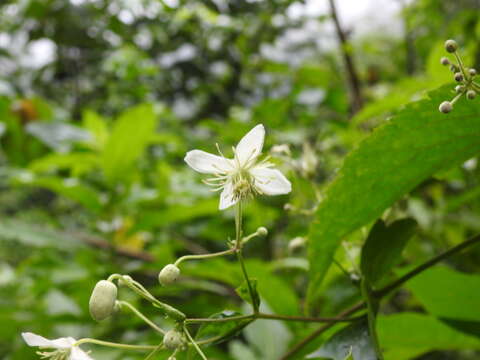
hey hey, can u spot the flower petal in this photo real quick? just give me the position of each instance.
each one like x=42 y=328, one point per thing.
x=271 y=181
x=250 y=146
x=36 y=340
x=226 y=197
x=79 y=354
x=207 y=163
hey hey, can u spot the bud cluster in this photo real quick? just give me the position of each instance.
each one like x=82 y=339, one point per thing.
x=463 y=76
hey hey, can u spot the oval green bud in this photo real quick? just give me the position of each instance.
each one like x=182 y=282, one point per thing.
x=451 y=46
x=102 y=301
x=472 y=72
x=471 y=94
x=458 y=77
x=168 y=275
x=172 y=339
x=262 y=231
x=445 y=107
x=459 y=88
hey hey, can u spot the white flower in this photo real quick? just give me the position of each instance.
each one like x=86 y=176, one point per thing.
x=242 y=176
x=64 y=349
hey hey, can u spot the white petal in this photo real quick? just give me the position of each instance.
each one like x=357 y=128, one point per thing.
x=79 y=354
x=271 y=181
x=226 y=197
x=207 y=163
x=36 y=340
x=251 y=145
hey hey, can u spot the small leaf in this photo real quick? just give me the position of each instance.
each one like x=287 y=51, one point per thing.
x=383 y=248
x=222 y=330
x=244 y=293
x=352 y=342
x=413 y=145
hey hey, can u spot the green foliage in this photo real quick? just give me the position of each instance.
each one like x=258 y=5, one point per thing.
x=130 y=135
x=352 y=342
x=415 y=143
x=457 y=297
x=383 y=248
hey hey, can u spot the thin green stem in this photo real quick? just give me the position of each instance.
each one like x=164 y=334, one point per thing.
x=195 y=345
x=203 y=256
x=212 y=320
x=114 y=345
x=167 y=309
x=141 y=316
x=238 y=250
x=460 y=64
x=371 y=316
x=154 y=351
x=307 y=319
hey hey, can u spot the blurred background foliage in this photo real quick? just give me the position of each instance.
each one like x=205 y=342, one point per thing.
x=100 y=100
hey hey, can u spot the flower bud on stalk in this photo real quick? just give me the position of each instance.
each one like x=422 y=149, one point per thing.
x=173 y=339
x=445 y=107
x=471 y=94
x=472 y=72
x=458 y=77
x=168 y=275
x=459 y=88
x=444 y=61
x=451 y=46
x=262 y=231
x=103 y=299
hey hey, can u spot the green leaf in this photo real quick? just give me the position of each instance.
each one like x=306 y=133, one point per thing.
x=414 y=144
x=244 y=293
x=131 y=134
x=36 y=235
x=418 y=333
x=352 y=342
x=223 y=330
x=97 y=127
x=447 y=293
x=78 y=162
x=70 y=188
x=383 y=248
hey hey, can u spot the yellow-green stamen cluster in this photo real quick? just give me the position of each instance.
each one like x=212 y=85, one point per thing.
x=463 y=75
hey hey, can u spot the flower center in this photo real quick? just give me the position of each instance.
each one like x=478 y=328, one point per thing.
x=60 y=354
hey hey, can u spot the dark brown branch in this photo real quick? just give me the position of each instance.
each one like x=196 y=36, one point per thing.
x=352 y=75
x=300 y=345
x=387 y=289
x=105 y=245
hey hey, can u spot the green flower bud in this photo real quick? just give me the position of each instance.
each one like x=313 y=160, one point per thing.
x=471 y=94
x=444 y=61
x=458 y=77
x=472 y=72
x=102 y=300
x=262 y=231
x=172 y=339
x=451 y=46
x=459 y=88
x=445 y=107
x=168 y=275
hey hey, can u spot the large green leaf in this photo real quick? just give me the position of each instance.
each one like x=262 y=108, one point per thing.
x=131 y=134
x=406 y=335
x=414 y=144
x=448 y=294
x=383 y=248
